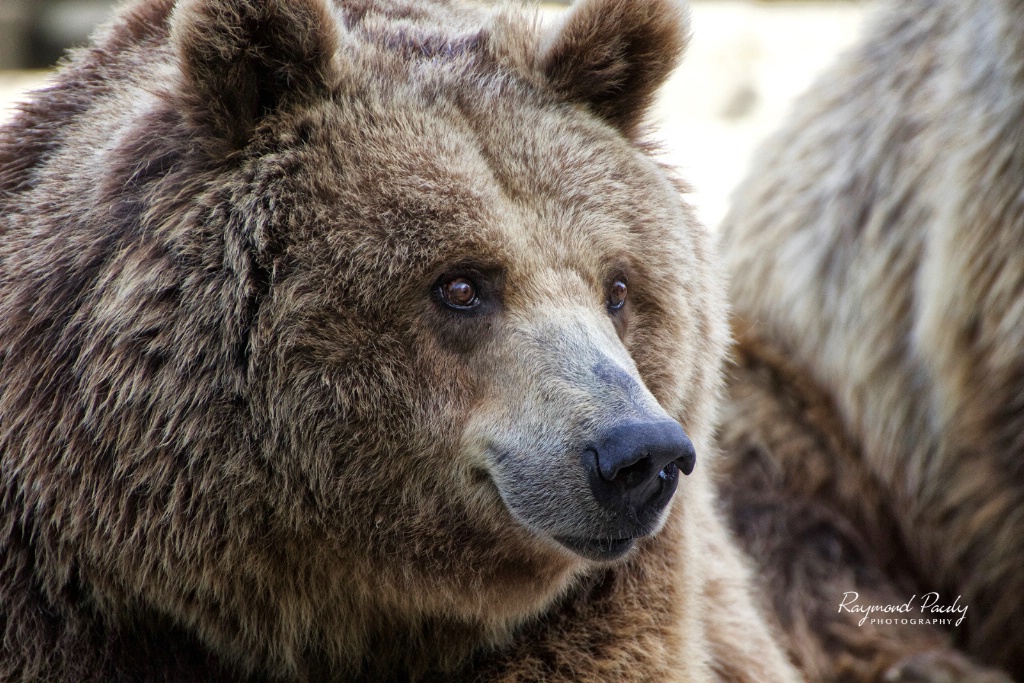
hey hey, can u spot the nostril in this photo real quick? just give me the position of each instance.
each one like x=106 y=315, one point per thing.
x=633 y=475
x=613 y=464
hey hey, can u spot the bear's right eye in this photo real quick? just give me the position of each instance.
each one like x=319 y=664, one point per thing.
x=617 y=291
x=459 y=293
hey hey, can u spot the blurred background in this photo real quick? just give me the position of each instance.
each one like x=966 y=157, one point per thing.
x=747 y=60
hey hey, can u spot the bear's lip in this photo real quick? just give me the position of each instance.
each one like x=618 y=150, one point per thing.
x=598 y=549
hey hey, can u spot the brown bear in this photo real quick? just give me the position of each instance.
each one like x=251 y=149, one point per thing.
x=875 y=422
x=361 y=340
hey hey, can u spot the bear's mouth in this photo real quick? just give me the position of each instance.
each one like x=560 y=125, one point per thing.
x=598 y=549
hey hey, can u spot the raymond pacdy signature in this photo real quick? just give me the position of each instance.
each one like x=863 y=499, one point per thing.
x=929 y=610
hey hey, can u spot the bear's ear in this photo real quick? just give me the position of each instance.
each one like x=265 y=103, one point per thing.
x=613 y=55
x=242 y=59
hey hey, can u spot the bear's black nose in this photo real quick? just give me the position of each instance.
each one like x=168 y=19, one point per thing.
x=633 y=468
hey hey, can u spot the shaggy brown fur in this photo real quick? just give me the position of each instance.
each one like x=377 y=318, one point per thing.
x=876 y=418
x=243 y=437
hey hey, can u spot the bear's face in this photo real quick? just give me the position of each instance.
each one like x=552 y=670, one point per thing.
x=493 y=303
x=488 y=334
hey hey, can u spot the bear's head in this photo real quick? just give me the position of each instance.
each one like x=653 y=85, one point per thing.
x=400 y=323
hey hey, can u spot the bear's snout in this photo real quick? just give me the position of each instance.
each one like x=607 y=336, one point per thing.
x=633 y=469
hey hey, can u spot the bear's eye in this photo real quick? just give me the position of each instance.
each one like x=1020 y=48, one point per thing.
x=459 y=292
x=617 y=291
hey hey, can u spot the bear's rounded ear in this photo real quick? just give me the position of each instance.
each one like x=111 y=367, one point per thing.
x=613 y=55
x=242 y=59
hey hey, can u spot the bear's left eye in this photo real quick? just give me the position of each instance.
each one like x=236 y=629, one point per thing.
x=459 y=293
x=617 y=291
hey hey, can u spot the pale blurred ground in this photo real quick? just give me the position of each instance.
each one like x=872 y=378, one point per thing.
x=746 y=62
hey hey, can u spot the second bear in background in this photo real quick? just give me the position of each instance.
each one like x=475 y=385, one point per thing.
x=875 y=423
